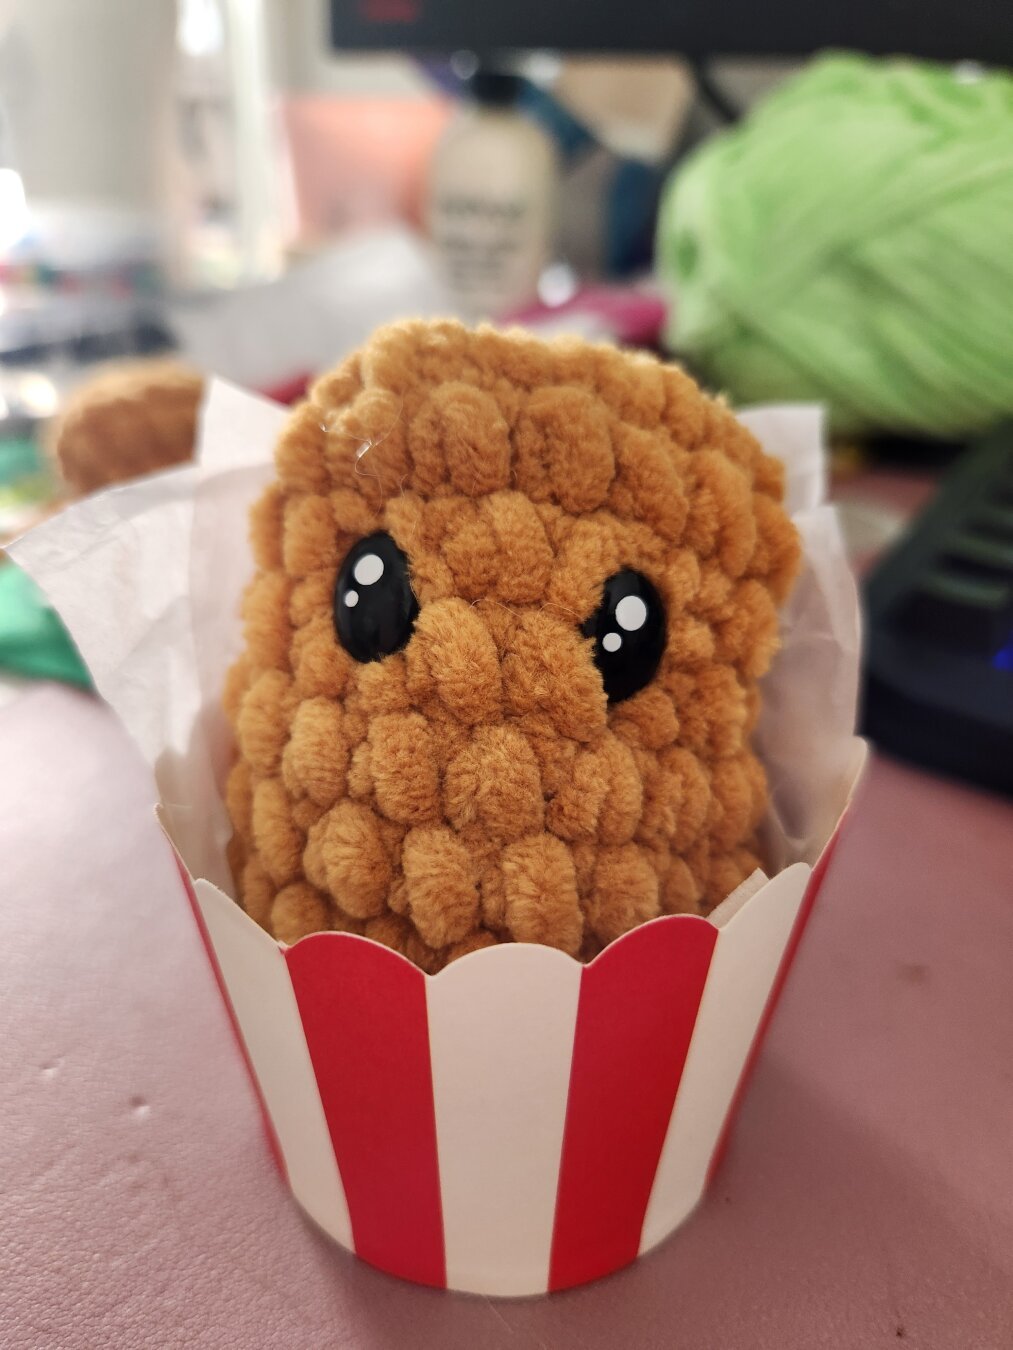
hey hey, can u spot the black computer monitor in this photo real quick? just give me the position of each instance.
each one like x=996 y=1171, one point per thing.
x=947 y=30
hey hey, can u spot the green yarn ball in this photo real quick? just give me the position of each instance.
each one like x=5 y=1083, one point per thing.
x=851 y=242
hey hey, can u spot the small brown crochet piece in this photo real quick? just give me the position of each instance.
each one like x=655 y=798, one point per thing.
x=130 y=419
x=478 y=785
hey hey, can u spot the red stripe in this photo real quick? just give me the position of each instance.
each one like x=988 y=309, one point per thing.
x=635 y=1017
x=272 y=1138
x=801 y=920
x=363 y=1011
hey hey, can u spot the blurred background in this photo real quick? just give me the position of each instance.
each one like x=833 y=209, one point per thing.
x=798 y=202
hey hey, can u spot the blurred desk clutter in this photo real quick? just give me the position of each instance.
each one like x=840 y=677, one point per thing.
x=940 y=626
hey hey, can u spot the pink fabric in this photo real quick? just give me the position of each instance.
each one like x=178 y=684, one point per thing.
x=866 y=1198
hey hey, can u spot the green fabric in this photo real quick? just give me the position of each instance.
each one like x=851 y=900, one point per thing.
x=19 y=458
x=33 y=641
x=852 y=242
x=26 y=481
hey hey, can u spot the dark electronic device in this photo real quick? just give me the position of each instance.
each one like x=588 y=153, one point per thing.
x=939 y=658
x=978 y=30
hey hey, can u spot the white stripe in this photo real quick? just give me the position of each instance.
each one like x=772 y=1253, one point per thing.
x=745 y=962
x=501 y=1026
x=255 y=974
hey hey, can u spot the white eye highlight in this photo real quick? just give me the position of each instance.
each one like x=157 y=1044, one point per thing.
x=369 y=569
x=351 y=599
x=631 y=614
x=611 y=642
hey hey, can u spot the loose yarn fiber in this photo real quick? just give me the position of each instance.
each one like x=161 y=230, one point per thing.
x=852 y=242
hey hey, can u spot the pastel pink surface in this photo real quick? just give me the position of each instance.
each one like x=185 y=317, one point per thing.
x=866 y=1198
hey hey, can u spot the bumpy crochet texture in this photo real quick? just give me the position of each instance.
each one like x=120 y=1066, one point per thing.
x=476 y=786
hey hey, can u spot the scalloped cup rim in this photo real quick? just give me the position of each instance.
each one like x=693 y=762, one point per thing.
x=720 y=918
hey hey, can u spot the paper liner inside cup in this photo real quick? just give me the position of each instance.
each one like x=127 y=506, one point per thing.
x=518 y=1122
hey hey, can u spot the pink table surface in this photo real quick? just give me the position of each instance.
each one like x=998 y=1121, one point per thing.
x=866 y=1200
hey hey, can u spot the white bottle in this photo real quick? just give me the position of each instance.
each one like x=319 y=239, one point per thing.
x=491 y=202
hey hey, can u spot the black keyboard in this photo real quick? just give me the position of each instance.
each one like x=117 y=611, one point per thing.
x=939 y=643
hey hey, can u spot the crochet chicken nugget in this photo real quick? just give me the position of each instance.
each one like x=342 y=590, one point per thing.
x=511 y=605
x=129 y=419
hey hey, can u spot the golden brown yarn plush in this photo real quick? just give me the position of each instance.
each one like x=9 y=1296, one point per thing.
x=476 y=786
x=131 y=418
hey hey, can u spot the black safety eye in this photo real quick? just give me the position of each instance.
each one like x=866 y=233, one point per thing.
x=628 y=628
x=374 y=605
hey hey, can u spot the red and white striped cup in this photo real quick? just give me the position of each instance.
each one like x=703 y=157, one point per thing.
x=518 y=1123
